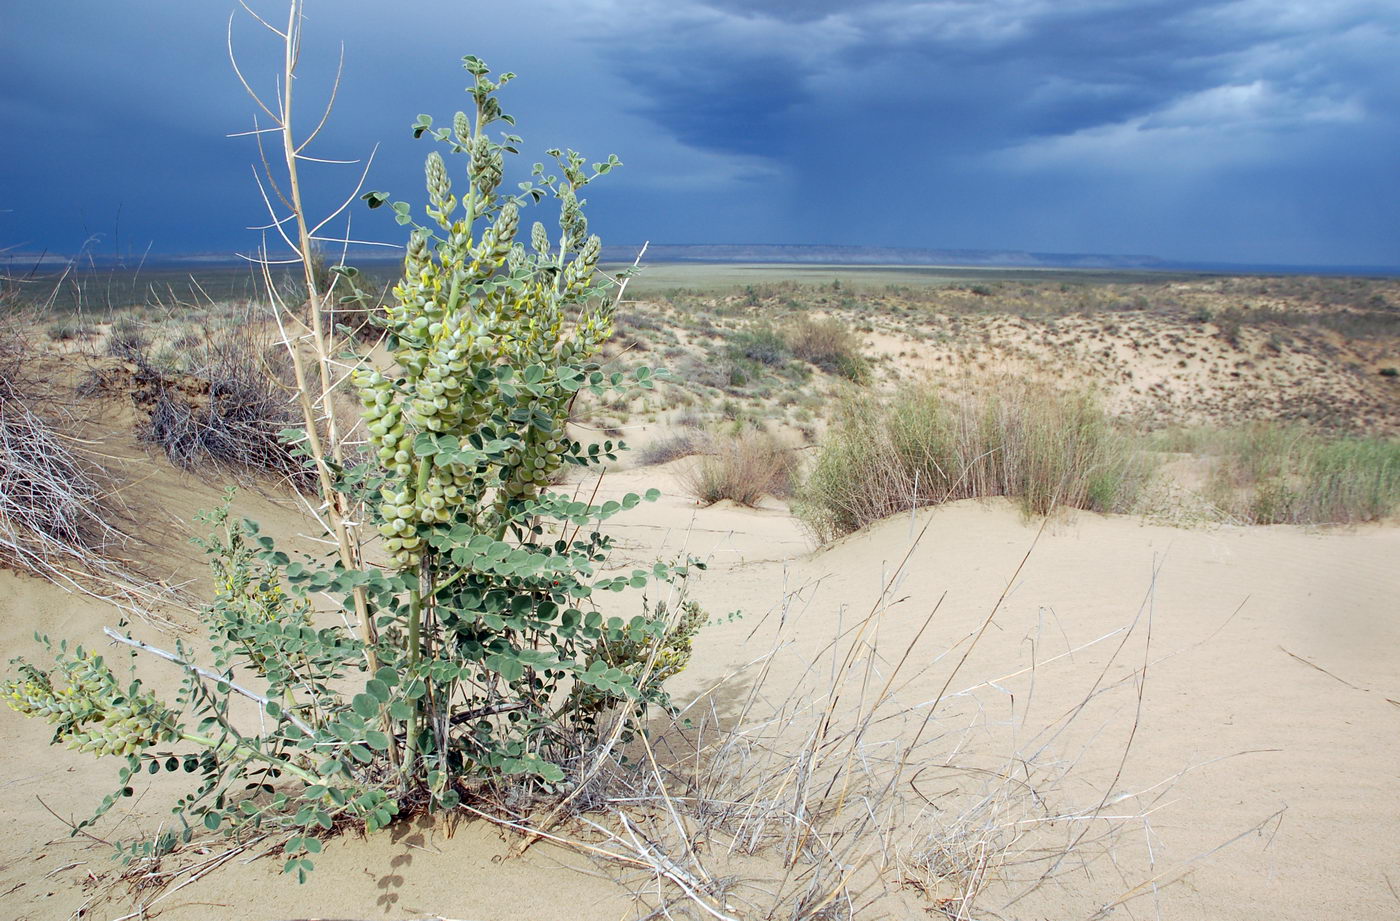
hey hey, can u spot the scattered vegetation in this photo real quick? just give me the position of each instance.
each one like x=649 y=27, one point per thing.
x=476 y=669
x=919 y=446
x=1272 y=473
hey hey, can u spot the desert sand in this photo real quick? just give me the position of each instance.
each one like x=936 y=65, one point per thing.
x=1084 y=716
x=1265 y=755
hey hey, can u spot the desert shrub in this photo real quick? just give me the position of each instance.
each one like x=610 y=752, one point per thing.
x=762 y=344
x=1273 y=473
x=51 y=510
x=671 y=447
x=64 y=330
x=1228 y=323
x=222 y=399
x=236 y=421
x=828 y=344
x=481 y=663
x=128 y=343
x=742 y=467
x=919 y=446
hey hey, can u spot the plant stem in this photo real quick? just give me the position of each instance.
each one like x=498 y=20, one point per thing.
x=415 y=618
x=228 y=747
x=335 y=502
x=208 y=676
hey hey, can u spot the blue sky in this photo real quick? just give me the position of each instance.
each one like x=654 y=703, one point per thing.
x=1264 y=131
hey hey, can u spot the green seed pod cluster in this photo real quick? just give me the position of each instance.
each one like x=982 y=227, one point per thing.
x=578 y=274
x=539 y=238
x=490 y=253
x=536 y=461
x=418 y=259
x=92 y=713
x=571 y=219
x=472 y=303
x=516 y=259
x=594 y=328
x=487 y=165
x=439 y=184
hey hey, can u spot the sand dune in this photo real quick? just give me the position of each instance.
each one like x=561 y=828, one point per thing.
x=1268 y=710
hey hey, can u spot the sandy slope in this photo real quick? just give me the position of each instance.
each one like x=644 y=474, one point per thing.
x=1272 y=675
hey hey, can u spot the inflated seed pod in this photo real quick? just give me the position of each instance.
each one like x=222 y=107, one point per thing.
x=539 y=238
x=507 y=223
x=438 y=182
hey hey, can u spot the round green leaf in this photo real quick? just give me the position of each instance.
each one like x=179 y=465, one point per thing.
x=365 y=705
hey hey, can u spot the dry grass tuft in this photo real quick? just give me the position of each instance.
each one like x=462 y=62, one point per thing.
x=830 y=345
x=1009 y=437
x=817 y=798
x=1275 y=473
x=684 y=443
x=743 y=468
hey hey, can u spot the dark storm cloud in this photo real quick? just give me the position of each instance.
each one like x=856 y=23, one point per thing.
x=1082 y=125
x=1210 y=129
x=789 y=10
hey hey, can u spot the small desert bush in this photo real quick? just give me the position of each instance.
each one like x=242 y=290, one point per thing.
x=673 y=446
x=219 y=401
x=743 y=467
x=921 y=446
x=64 y=330
x=51 y=511
x=1275 y=473
x=237 y=425
x=762 y=344
x=127 y=344
x=828 y=344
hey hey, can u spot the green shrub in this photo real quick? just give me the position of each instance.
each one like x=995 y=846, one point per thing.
x=1274 y=473
x=762 y=344
x=482 y=664
x=1044 y=448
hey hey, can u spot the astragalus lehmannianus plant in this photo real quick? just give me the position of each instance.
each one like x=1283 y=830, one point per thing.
x=474 y=657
